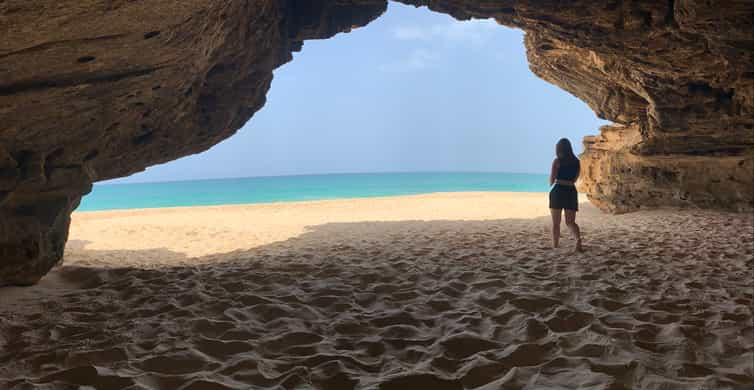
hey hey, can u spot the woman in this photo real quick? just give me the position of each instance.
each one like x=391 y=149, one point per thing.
x=563 y=196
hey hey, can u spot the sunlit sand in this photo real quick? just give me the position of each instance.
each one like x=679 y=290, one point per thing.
x=439 y=291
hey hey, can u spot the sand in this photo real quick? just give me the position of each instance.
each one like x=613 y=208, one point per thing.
x=440 y=291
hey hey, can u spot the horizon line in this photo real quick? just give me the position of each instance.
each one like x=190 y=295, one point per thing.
x=104 y=182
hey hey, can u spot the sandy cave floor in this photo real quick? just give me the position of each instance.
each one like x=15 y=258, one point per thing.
x=441 y=291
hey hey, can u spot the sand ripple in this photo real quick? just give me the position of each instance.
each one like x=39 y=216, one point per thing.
x=661 y=300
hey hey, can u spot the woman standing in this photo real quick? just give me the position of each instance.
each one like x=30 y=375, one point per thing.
x=563 y=196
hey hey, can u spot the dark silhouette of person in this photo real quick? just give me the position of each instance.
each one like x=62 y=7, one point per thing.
x=563 y=195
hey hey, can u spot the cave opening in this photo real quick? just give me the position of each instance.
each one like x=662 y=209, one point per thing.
x=412 y=91
x=416 y=102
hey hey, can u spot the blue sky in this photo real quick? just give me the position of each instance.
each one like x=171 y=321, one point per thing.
x=412 y=91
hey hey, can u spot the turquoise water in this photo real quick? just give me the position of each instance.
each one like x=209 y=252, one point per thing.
x=297 y=188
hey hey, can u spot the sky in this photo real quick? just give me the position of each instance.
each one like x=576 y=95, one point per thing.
x=412 y=91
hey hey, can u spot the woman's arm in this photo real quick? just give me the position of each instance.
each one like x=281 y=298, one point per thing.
x=553 y=171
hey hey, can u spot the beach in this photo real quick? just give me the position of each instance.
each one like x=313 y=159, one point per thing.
x=437 y=291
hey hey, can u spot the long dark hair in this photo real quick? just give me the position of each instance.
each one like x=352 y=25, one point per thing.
x=564 y=152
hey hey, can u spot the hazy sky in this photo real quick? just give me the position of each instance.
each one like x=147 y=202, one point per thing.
x=412 y=91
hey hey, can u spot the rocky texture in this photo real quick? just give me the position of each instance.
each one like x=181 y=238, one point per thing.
x=91 y=90
x=618 y=179
x=677 y=78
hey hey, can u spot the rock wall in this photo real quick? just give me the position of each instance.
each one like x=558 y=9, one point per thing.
x=92 y=90
x=617 y=179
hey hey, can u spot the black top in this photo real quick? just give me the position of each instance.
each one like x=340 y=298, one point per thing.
x=568 y=170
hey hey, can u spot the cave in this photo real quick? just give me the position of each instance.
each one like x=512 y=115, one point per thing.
x=96 y=91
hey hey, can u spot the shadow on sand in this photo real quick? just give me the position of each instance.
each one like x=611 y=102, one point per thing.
x=402 y=305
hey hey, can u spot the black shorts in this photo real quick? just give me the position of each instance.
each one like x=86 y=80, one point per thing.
x=564 y=197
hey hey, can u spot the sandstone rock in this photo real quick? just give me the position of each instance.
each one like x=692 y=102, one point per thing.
x=93 y=90
x=618 y=179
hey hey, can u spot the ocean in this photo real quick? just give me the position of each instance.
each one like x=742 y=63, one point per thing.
x=299 y=188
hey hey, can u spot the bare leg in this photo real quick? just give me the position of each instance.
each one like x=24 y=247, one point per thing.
x=570 y=220
x=555 y=226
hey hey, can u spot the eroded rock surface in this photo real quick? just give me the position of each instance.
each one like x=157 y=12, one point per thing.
x=92 y=90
